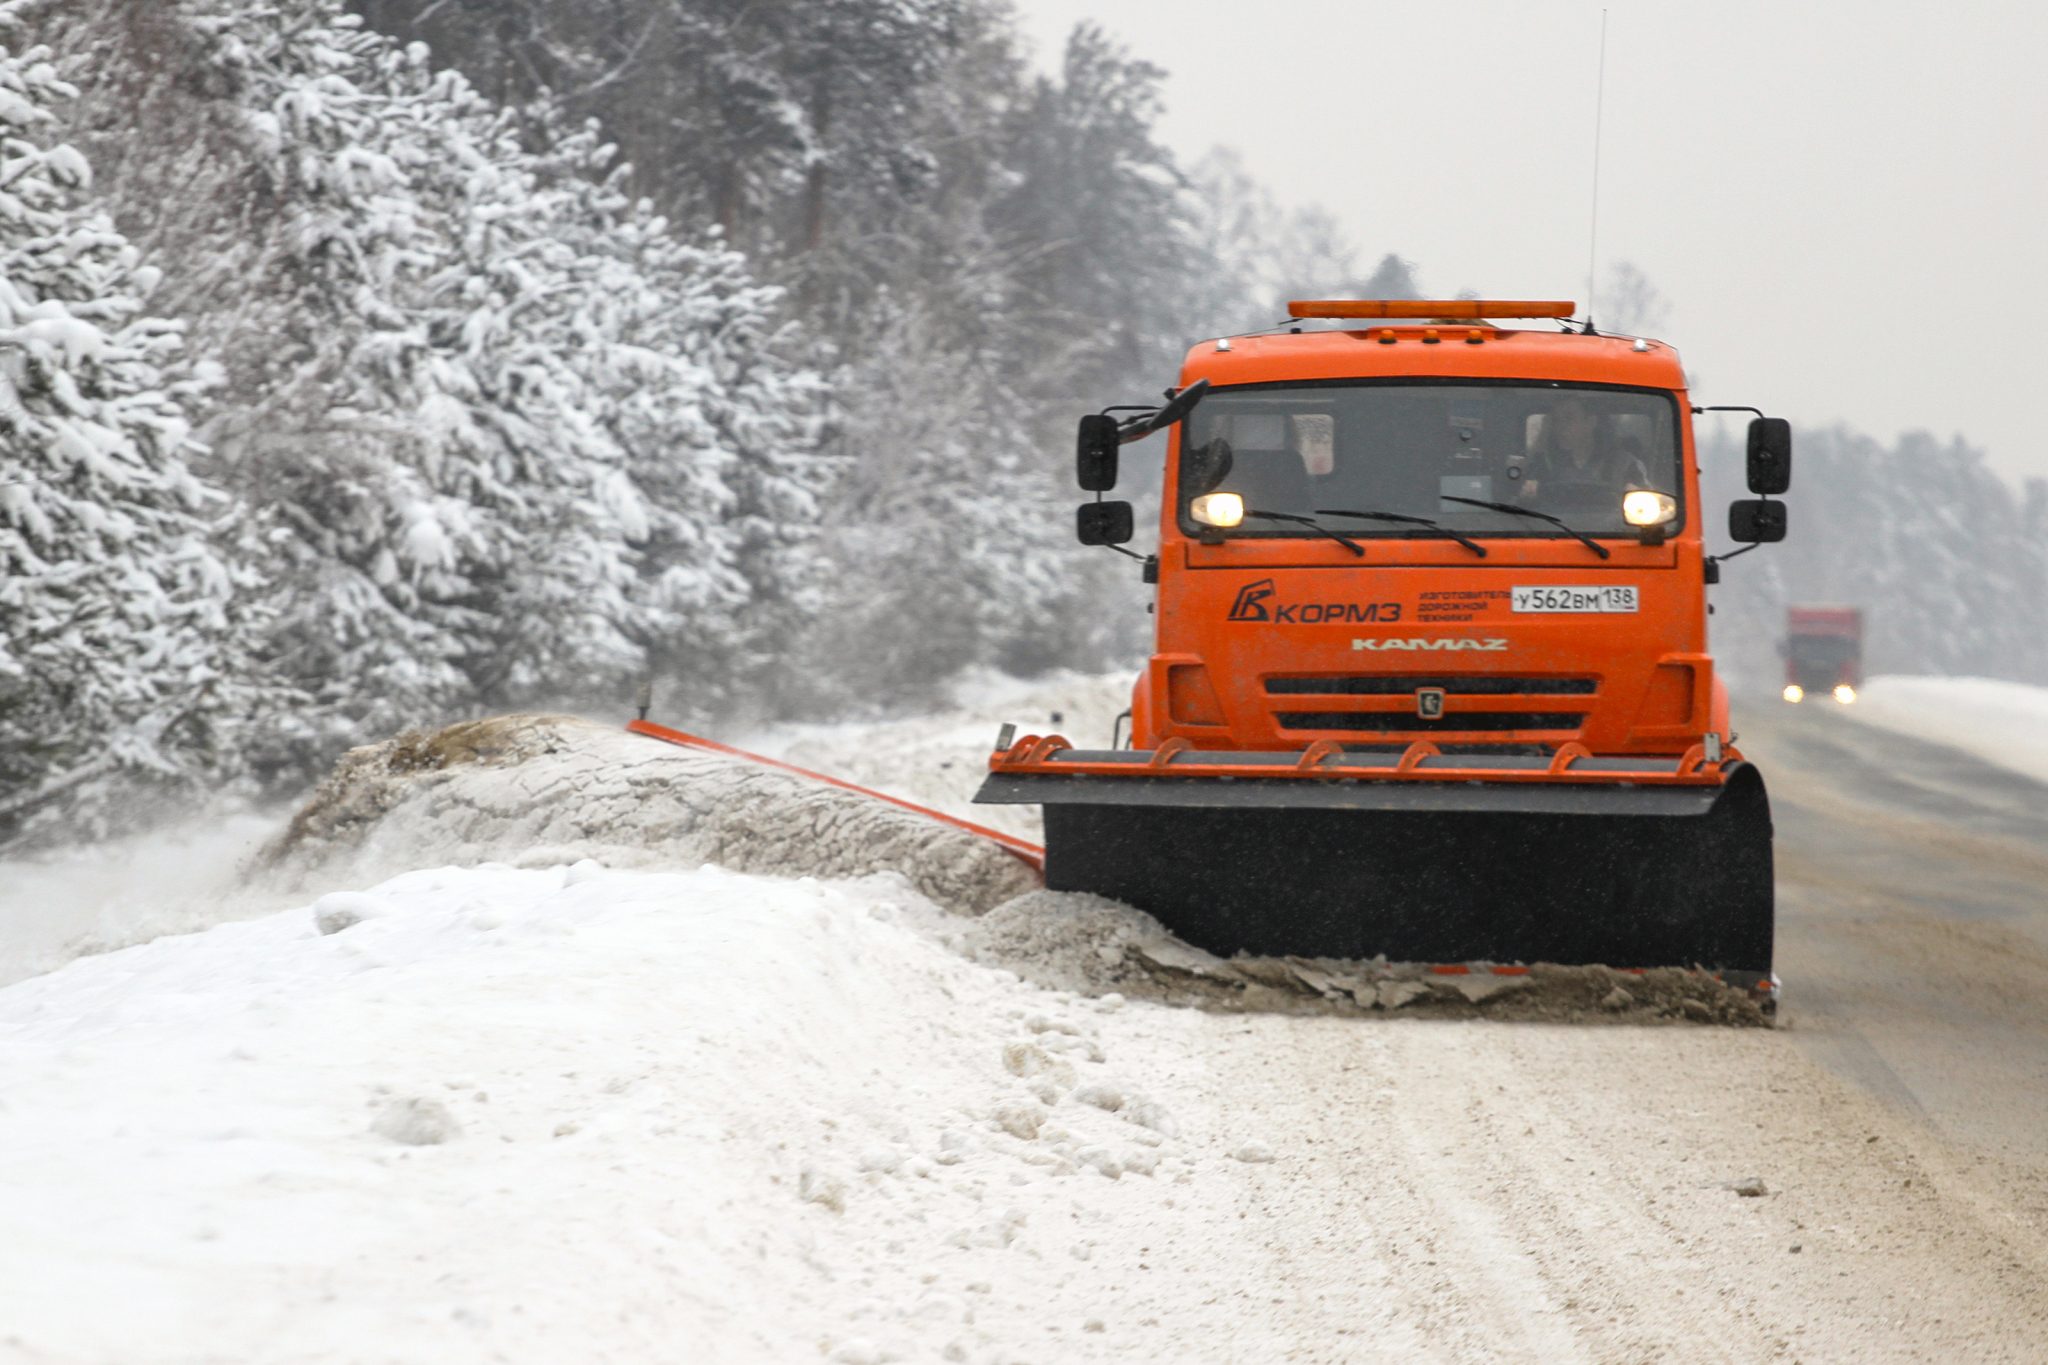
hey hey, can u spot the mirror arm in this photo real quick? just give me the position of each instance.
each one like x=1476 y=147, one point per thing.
x=1729 y=407
x=1723 y=559
x=1179 y=406
x=1138 y=428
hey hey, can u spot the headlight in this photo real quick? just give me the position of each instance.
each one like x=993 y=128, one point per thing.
x=1794 y=692
x=1644 y=508
x=1217 y=509
x=1844 y=693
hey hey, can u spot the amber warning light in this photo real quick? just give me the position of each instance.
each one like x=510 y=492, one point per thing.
x=1445 y=309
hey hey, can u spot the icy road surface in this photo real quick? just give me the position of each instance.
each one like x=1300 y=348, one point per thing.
x=593 y=1113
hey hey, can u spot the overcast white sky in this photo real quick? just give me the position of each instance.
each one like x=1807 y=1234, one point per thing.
x=1843 y=200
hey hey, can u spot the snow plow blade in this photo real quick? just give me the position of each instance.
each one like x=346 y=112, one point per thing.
x=1417 y=857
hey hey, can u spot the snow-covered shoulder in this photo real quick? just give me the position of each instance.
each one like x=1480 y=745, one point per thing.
x=568 y=1113
x=2001 y=722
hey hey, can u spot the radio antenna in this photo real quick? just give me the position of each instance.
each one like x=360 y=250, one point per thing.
x=1593 y=230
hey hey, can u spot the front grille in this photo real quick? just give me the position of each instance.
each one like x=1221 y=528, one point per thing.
x=1470 y=685
x=1400 y=722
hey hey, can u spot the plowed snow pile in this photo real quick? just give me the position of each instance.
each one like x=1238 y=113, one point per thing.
x=542 y=790
x=938 y=760
x=1066 y=941
x=553 y=1115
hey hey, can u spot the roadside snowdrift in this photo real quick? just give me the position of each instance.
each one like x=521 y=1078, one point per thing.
x=573 y=1114
x=541 y=790
x=59 y=903
x=939 y=760
x=545 y=790
x=2001 y=722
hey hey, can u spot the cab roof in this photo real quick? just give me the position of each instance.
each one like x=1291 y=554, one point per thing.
x=1442 y=350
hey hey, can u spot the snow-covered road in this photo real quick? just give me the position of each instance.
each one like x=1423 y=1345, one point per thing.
x=618 y=1113
x=593 y=1114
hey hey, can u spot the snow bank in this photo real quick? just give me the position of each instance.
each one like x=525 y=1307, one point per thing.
x=2005 y=723
x=89 y=898
x=543 y=790
x=565 y=1114
x=536 y=791
x=939 y=760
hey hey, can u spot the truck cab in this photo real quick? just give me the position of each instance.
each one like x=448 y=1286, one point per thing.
x=1488 y=537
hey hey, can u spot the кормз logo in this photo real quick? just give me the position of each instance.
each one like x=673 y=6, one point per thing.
x=1255 y=602
x=1251 y=602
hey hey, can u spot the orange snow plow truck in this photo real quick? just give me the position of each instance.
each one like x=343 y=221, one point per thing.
x=1431 y=678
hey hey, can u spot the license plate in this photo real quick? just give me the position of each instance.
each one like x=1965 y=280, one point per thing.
x=1567 y=597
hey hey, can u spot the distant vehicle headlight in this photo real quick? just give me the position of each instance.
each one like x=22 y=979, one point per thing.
x=1644 y=508
x=1844 y=693
x=1794 y=692
x=1217 y=509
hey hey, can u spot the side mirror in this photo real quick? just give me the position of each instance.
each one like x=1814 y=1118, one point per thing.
x=1104 y=523
x=1095 y=444
x=1095 y=453
x=1756 y=523
x=1203 y=467
x=1770 y=456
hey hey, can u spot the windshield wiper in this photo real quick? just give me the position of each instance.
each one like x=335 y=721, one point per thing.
x=1595 y=546
x=1474 y=546
x=1346 y=541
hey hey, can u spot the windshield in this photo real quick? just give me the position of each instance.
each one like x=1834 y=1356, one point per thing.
x=1413 y=449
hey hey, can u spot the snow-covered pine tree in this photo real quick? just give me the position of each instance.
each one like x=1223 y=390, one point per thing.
x=1105 y=206
x=697 y=439
x=511 y=434
x=959 y=240
x=115 y=647
x=950 y=524
x=785 y=125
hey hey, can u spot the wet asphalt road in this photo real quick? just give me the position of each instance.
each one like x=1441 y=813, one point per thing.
x=1912 y=921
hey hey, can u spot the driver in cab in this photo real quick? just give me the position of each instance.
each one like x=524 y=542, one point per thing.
x=1574 y=452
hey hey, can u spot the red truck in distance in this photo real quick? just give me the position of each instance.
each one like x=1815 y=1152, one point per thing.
x=1823 y=652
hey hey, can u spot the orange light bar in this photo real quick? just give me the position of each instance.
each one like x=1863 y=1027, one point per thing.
x=1429 y=308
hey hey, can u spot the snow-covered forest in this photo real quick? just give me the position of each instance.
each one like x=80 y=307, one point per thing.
x=1947 y=559
x=358 y=380
x=370 y=365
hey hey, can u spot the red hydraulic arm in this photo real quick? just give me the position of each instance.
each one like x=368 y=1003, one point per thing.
x=1029 y=852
